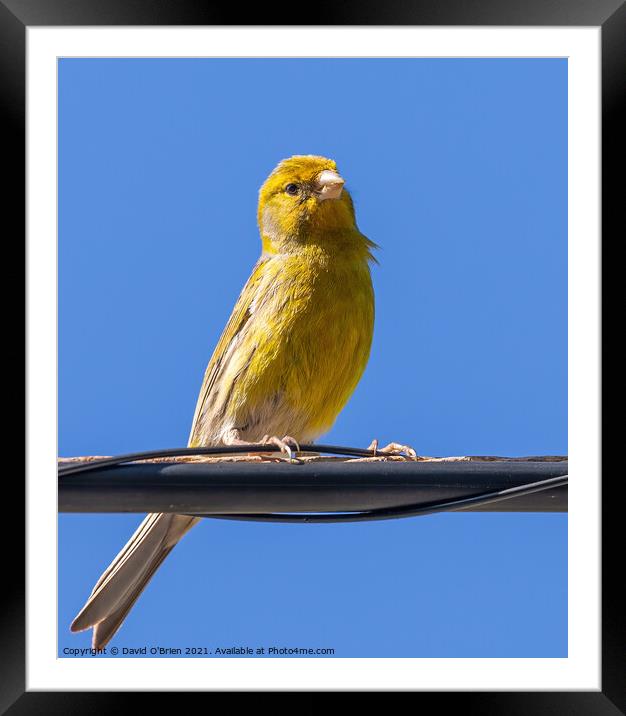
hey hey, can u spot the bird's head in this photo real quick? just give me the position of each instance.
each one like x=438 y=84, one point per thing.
x=302 y=201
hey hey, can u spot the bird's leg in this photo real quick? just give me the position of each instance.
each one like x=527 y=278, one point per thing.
x=232 y=438
x=393 y=449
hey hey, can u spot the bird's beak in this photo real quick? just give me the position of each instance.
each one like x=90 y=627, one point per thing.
x=329 y=185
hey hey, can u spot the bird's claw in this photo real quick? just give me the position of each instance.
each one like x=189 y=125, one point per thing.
x=393 y=449
x=285 y=444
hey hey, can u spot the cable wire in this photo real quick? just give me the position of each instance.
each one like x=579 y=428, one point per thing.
x=415 y=510
x=79 y=468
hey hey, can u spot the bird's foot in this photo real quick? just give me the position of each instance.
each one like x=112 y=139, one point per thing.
x=393 y=449
x=286 y=443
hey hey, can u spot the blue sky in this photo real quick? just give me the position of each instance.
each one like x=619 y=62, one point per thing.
x=458 y=170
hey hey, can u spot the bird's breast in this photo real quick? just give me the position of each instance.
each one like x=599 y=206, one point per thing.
x=312 y=343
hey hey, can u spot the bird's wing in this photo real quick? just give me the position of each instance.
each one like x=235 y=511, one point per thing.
x=242 y=312
x=123 y=581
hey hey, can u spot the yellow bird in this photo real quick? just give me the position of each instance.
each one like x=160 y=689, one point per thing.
x=291 y=354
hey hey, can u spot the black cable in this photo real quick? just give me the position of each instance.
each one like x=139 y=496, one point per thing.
x=78 y=468
x=388 y=513
x=384 y=513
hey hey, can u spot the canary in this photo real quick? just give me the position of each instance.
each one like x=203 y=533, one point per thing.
x=292 y=353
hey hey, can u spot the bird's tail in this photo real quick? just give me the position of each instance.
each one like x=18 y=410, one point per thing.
x=126 y=577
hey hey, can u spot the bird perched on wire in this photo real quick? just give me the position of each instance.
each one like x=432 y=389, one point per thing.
x=291 y=354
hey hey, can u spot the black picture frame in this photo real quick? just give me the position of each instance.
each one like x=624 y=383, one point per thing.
x=610 y=15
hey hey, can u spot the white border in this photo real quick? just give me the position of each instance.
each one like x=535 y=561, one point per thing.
x=581 y=670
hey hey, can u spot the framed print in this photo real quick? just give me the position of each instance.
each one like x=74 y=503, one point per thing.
x=441 y=159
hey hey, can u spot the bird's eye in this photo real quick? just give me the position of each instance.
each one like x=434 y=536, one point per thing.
x=292 y=189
